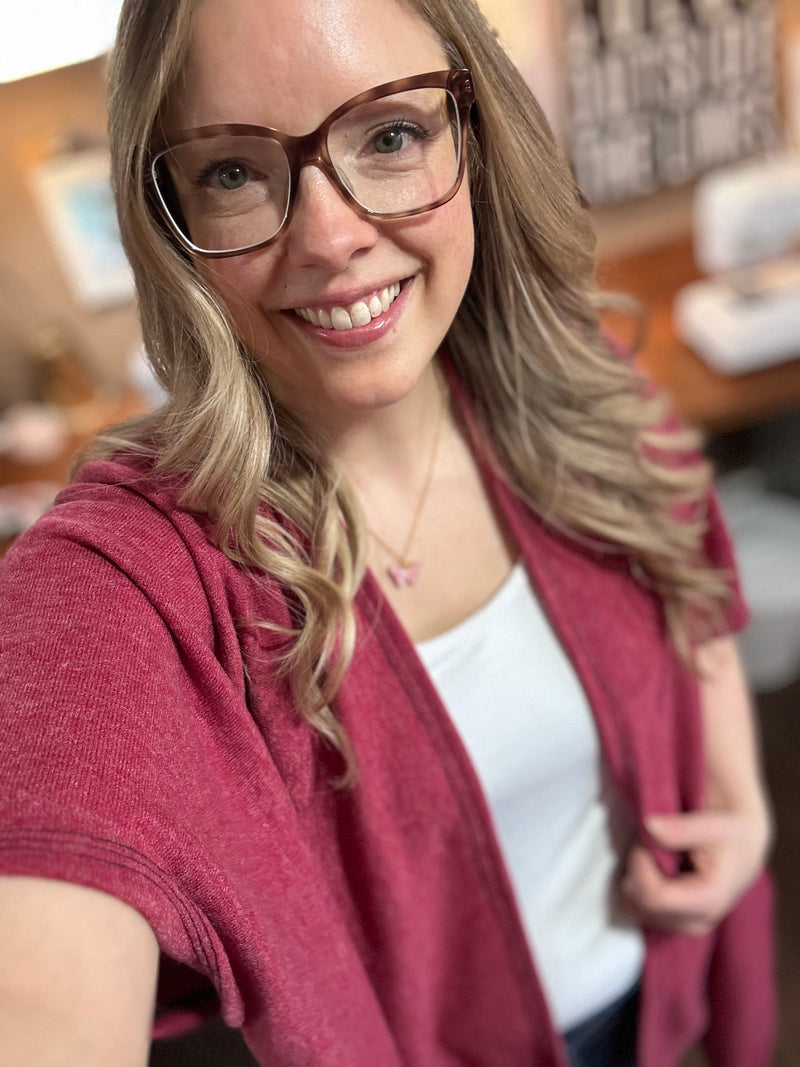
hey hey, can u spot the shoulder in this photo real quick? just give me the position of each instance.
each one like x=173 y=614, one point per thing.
x=115 y=526
x=119 y=534
x=123 y=504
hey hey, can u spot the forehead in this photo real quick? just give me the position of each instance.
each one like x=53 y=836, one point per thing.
x=288 y=63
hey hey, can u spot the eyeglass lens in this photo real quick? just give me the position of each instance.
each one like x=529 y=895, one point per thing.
x=396 y=154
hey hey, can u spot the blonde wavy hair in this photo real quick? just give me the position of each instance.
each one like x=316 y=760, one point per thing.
x=575 y=431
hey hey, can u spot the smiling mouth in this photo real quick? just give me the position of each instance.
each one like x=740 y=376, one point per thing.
x=360 y=313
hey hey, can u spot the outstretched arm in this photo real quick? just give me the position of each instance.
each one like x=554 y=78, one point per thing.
x=78 y=974
x=727 y=842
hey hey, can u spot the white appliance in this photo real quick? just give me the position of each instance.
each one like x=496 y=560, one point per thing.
x=746 y=315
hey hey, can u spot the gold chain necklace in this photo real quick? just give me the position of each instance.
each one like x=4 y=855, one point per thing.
x=404 y=571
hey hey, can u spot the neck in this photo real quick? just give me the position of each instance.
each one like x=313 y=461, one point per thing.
x=403 y=485
x=392 y=442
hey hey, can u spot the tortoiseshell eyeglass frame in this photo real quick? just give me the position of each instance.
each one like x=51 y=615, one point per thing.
x=311 y=149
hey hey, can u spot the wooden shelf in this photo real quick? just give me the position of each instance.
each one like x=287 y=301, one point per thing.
x=701 y=395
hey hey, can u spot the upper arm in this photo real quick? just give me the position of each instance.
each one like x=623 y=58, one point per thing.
x=77 y=976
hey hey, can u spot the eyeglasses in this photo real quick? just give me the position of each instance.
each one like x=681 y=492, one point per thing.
x=393 y=151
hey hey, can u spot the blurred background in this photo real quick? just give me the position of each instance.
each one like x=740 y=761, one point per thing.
x=681 y=119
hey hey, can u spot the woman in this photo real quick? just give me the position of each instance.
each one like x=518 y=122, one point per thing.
x=395 y=435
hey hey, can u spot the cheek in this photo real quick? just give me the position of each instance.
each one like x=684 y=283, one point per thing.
x=240 y=284
x=443 y=239
x=455 y=238
x=234 y=279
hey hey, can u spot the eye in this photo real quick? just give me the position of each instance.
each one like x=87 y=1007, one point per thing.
x=389 y=141
x=232 y=175
x=396 y=137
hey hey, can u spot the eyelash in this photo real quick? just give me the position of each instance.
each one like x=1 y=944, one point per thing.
x=405 y=125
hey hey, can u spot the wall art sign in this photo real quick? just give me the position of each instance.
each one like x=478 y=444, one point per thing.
x=661 y=90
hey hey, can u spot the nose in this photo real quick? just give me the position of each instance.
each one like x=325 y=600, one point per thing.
x=324 y=230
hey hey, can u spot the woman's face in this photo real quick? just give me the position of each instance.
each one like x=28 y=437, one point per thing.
x=288 y=65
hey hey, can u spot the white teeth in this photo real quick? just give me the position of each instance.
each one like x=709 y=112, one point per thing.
x=359 y=314
x=341 y=319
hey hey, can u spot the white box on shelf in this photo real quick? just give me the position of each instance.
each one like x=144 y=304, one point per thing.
x=745 y=320
x=746 y=213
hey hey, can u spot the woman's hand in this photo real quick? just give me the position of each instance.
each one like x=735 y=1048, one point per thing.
x=726 y=843
x=725 y=852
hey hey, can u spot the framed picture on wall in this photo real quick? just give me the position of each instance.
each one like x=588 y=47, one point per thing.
x=73 y=195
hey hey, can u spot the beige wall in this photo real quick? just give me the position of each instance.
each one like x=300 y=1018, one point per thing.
x=34 y=113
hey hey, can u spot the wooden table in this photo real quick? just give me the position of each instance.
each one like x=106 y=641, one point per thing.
x=715 y=401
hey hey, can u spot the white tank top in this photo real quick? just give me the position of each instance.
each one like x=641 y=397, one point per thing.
x=525 y=721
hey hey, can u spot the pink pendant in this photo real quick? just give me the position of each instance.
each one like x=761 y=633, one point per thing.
x=405 y=575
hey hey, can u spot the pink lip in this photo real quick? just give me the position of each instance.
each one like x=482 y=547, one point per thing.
x=359 y=335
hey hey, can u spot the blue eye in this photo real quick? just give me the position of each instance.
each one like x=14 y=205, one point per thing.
x=389 y=141
x=232 y=176
x=227 y=174
x=396 y=137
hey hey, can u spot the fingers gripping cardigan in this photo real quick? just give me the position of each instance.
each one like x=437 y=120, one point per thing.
x=149 y=749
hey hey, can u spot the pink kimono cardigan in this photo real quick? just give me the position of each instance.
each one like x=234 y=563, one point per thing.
x=149 y=748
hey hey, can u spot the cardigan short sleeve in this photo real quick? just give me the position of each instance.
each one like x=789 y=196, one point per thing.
x=122 y=714
x=673 y=446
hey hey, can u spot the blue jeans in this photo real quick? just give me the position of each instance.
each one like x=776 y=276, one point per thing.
x=608 y=1039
